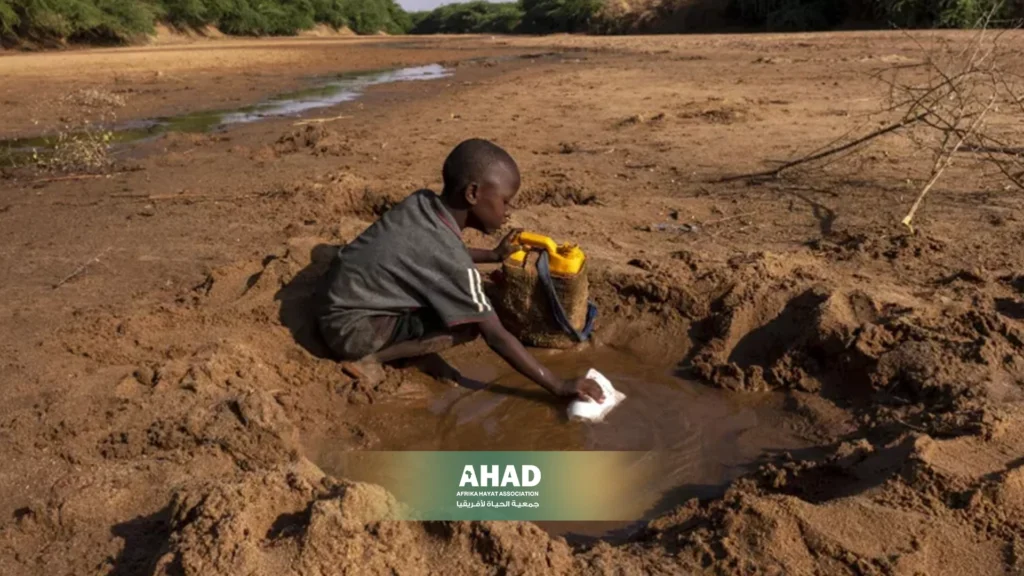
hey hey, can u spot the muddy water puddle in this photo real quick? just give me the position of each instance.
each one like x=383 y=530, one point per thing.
x=699 y=437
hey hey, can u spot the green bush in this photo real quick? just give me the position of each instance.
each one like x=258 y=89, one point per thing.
x=330 y=12
x=552 y=16
x=193 y=13
x=502 y=20
x=121 y=21
x=475 y=17
x=788 y=15
x=823 y=14
x=262 y=17
x=943 y=13
x=371 y=16
x=525 y=16
x=806 y=15
x=400 y=22
x=86 y=20
x=8 y=18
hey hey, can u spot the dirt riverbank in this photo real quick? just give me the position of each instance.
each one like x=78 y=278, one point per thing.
x=162 y=389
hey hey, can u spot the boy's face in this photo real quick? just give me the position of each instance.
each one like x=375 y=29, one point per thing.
x=490 y=199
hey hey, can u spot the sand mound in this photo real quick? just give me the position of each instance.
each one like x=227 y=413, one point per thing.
x=326 y=31
x=866 y=509
x=783 y=326
x=338 y=196
x=164 y=35
x=668 y=293
x=556 y=193
x=318 y=139
x=295 y=520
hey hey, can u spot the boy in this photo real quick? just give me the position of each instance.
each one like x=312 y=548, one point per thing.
x=408 y=287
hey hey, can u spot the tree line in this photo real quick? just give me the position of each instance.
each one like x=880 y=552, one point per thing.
x=125 y=21
x=522 y=17
x=799 y=15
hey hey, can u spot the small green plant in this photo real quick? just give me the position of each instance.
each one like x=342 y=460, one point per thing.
x=8 y=158
x=84 y=148
x=81 y=144
x=94 y=98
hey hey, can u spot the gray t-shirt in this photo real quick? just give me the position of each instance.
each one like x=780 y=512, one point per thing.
x=412 y=258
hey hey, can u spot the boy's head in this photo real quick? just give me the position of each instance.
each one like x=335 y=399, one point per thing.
x=482 y=179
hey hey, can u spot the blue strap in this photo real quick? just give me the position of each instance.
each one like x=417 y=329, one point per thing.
x=544 y=271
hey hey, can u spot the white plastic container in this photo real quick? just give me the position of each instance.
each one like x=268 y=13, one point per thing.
x=589 y=410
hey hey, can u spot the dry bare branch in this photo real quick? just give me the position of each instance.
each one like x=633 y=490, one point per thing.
x=74 y=273
x=941 y=105
x=941 y=164
x=829 y=152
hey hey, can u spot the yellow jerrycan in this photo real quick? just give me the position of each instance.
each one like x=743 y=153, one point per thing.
x=542 y=293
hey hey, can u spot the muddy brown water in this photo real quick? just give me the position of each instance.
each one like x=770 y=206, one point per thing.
x=700 y=437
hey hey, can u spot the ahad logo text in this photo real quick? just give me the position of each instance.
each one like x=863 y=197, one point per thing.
x=529 y=475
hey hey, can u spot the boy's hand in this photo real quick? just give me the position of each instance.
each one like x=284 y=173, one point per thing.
x=584 y=389
x=507 y=246
x=499 y=254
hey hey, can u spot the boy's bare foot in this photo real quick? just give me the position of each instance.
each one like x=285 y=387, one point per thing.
x=367 y=373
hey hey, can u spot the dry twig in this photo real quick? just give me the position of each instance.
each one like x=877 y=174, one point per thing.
x=319 y=120
x=942 y=164
x=944 y=112
x=826 y=153
x=74 y=273
x=72 y=177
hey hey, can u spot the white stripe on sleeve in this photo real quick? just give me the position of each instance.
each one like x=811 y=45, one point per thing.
x=480 y=289
x=473 y=290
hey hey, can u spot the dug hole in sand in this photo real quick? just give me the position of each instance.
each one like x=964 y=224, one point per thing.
x=791 y=509
x=762 y=331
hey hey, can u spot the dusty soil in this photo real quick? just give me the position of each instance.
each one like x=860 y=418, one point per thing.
x=159 y=401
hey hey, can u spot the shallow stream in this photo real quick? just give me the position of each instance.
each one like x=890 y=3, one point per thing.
x=325 y=92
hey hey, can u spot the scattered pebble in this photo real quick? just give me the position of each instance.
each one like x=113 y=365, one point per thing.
x=145 y=375
x=671 y=227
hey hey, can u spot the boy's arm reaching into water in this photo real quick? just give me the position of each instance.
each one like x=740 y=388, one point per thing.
x=512 y=351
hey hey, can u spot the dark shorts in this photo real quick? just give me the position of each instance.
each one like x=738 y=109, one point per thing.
x=357 y=335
